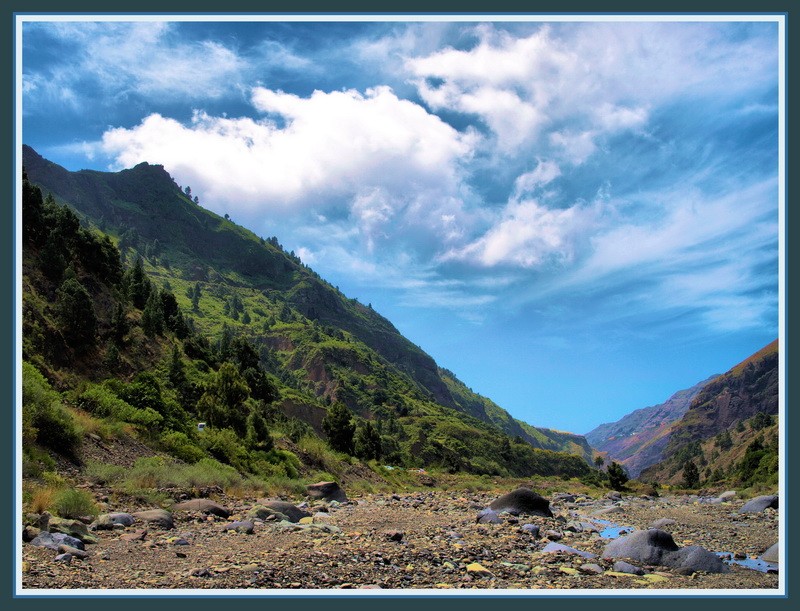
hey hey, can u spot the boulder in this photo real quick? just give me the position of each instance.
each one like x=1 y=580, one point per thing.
x=654 y=546
x=647 y=546
x=160 y=518
x=488 y=516
x=54 y=540
x=108 y=521
x=552 y=548
x=522 y=501
x=244 y=526
x=662 y=523
x=292 y=512
x=760 y=503
x=533 y=529
x=203 y=506
x=73 y=528
x=693 y=558
x=728 y=495
x=329 y=491
x=620 y=566
x=771 y=555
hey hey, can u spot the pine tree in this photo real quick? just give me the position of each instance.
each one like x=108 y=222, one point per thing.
x=153 y=316
x=339 y=428
x=367 y=442
x=691 y=475
x=75 y=312
x=617 y=478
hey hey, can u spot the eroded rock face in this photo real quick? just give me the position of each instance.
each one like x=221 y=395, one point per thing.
x=522 y=501
x=654 y=546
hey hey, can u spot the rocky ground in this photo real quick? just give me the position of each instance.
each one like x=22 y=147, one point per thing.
x=409 y=541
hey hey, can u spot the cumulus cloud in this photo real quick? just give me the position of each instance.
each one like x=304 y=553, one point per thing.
x=385 y=163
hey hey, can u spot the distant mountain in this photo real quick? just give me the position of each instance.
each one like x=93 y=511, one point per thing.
x=320 y=346
x=639 y=439
x=749 y=389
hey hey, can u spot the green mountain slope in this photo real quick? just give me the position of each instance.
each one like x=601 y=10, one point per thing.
x=748 y=393
x=318 y=346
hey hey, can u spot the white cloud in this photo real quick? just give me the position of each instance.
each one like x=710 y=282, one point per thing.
x=600 y=78
x=386 y=162
x=544 y=173
x=140 y=58
x=529 y=235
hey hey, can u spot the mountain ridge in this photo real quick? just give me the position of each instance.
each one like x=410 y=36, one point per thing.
x=130 y=205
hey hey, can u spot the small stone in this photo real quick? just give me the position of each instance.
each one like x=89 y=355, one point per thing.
x=476 y=568
x=591 y=569
x=394 y=535
x=65 y=558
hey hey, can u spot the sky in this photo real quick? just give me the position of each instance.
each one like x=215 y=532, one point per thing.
x=576 y=218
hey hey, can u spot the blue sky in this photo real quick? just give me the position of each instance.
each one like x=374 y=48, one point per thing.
x=577 y=218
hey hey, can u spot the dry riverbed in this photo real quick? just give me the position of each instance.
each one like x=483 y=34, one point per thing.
x=408 y=541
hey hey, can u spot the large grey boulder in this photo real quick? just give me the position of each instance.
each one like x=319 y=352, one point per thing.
x=202 y=506
x=108 y=521
x=54 y=540
x=329 y=491
x=654 y=546
x=160 y=518
x=760 y=503
x=522 y=501
x=292 y=512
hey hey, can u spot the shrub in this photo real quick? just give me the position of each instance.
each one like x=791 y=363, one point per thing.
x=104 y=474
x=225 y=445
x=74 y=503
x=41 y=498
x=101 y=401
x=44 y=419
x=179 y=445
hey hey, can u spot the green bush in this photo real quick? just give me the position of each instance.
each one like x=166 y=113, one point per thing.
x=104 y=474
x=44 y=419
x=179 y=445
x=226 y=446
x=101 y=401
x=74 y=503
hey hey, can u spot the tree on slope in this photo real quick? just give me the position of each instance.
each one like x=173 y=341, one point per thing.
x=339 y=428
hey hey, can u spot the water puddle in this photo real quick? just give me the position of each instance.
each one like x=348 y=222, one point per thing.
x=611 y=530
x=755 y=564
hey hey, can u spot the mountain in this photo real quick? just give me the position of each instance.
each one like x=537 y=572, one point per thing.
x=639 y=439
x=746 y=393
x=318 y=346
